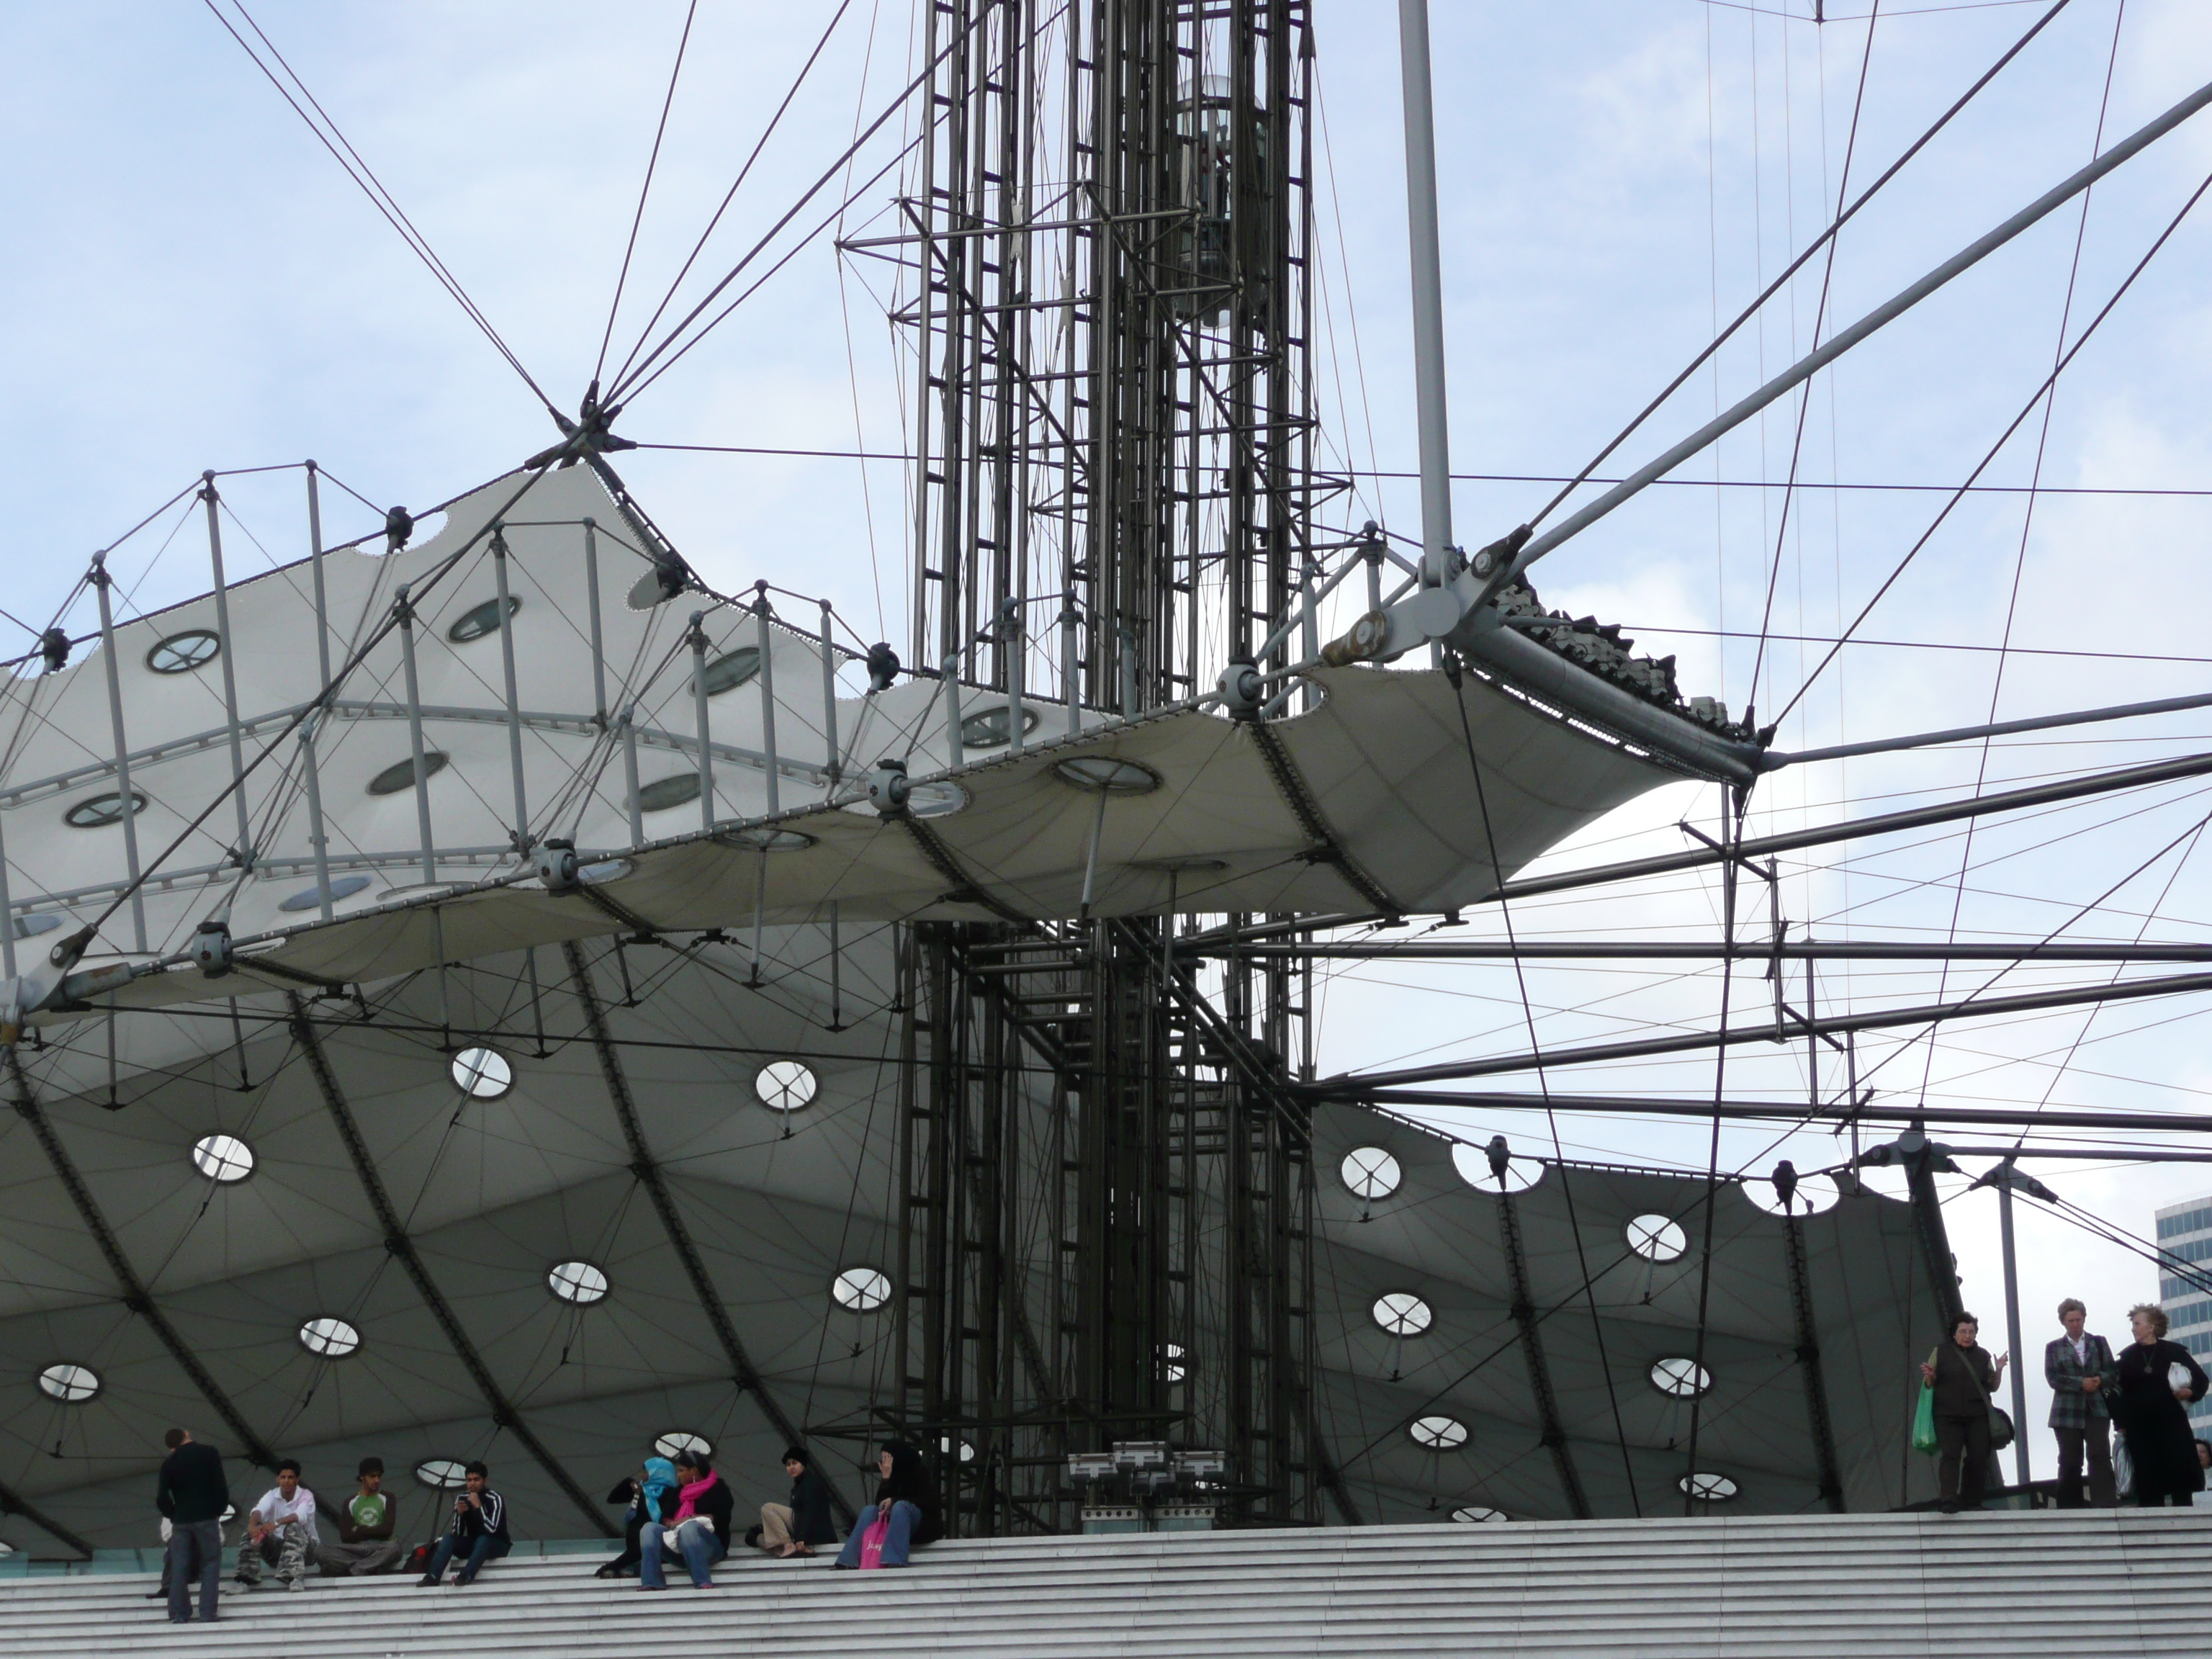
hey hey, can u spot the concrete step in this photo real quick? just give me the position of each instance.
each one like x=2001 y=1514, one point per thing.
x=1852 y=1586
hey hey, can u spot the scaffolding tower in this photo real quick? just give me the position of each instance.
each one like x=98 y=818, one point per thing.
x=1106 y=1225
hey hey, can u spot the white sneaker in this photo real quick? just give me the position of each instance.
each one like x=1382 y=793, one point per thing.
x=295 y=1583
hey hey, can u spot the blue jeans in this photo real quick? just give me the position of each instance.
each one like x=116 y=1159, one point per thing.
x=484 y=1549
x=903 y=1516
x=189 y=1540
x=694 y=1540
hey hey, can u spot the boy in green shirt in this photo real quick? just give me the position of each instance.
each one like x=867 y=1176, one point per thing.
x=364 y=1544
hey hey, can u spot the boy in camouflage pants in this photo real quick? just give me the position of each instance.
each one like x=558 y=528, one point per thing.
x=281 y=1532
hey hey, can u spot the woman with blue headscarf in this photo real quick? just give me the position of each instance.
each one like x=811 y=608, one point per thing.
x=651 y=1494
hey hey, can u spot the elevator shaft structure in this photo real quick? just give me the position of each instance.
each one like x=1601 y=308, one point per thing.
x=1107 y=1190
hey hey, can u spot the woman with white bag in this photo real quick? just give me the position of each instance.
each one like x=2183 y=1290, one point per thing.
x=2157 y=1378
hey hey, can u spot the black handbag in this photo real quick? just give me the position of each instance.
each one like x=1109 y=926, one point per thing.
x=2001 y=1428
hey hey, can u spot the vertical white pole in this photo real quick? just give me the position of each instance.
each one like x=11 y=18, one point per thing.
x=1015 y=645
x=599 y=650
x=836 y=758
x=7 y=918
x=1428 y=288
x=698 y=641
x=124 y=800
x=513 y=712
x=309 y=768
x=954 y=757
x=229 y=670
x=1070 y=675
x=406 y=609
x=768 y=702
x=629 y=774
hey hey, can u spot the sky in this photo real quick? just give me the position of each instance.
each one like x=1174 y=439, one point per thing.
x=193 y=283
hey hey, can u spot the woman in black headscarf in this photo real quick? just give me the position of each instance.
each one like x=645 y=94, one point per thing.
x=2152 y=1412
x=906 y=1498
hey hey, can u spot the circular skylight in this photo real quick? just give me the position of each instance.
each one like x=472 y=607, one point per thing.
x=98 y=811
x=967 y=1447
x=664 y=792
x=1680 y=1376
x=785 y=1086
x=1656 y=1238
x=71 y=1384
x=1707 y=1486
x=1403 y=1314
x=989 y=728
x=760 y=838
x=678 y=1442
x=1171 y=1362
x=222 y=1158
x=311 y=898
x=1438 y=1433
x=733 y=669
x=863 y=1290
x=579 y=1282
x=1371 y=1173
x=1105 y=773
x=484 y=1074
x=936 y=799
x=443 y=1471
x=182 y=653
x=479 y=620
x=400 y=775
x=330 y=1337
x=1474 y=1515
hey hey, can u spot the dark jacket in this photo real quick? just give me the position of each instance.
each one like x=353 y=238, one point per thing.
x=191 y=1487
x=2070 y=1407
x=631 y=1490
x=2159 y=1444
x=1965 y=1380
x=909 y=1482
x=812 y=1523
x=488 y=1522
x=715 y=1505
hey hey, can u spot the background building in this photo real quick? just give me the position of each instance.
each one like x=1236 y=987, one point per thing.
x=2184 y=1230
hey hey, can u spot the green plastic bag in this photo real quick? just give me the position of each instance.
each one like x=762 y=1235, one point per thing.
x=1924 y=1419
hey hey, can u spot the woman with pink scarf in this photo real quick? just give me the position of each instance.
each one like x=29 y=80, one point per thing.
x=699 y=1534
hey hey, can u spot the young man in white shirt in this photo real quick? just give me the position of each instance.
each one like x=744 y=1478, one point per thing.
x=281 y=1532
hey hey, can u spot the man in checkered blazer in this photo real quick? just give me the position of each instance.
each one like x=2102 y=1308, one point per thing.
x=2082 y=1375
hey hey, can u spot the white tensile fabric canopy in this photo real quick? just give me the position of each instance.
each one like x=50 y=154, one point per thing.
x=326 y=1055
x=1366 y=803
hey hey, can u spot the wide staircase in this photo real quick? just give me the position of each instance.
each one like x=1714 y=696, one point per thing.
x=2001 y=1583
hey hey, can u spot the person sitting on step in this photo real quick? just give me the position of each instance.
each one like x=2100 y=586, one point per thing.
x=280 y=1532
x=477 y=1534
x=364 y=1544
x=651 y=1495
x=905 y=1501
x=698 y=1532
x=795 y=1528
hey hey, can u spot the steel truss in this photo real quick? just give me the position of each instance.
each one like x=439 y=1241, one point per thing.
x=1107 y=1187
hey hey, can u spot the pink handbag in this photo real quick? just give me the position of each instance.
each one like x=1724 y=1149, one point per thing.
x=872 y=1542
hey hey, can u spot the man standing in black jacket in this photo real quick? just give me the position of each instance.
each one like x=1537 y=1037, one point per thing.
x=192 y=1493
